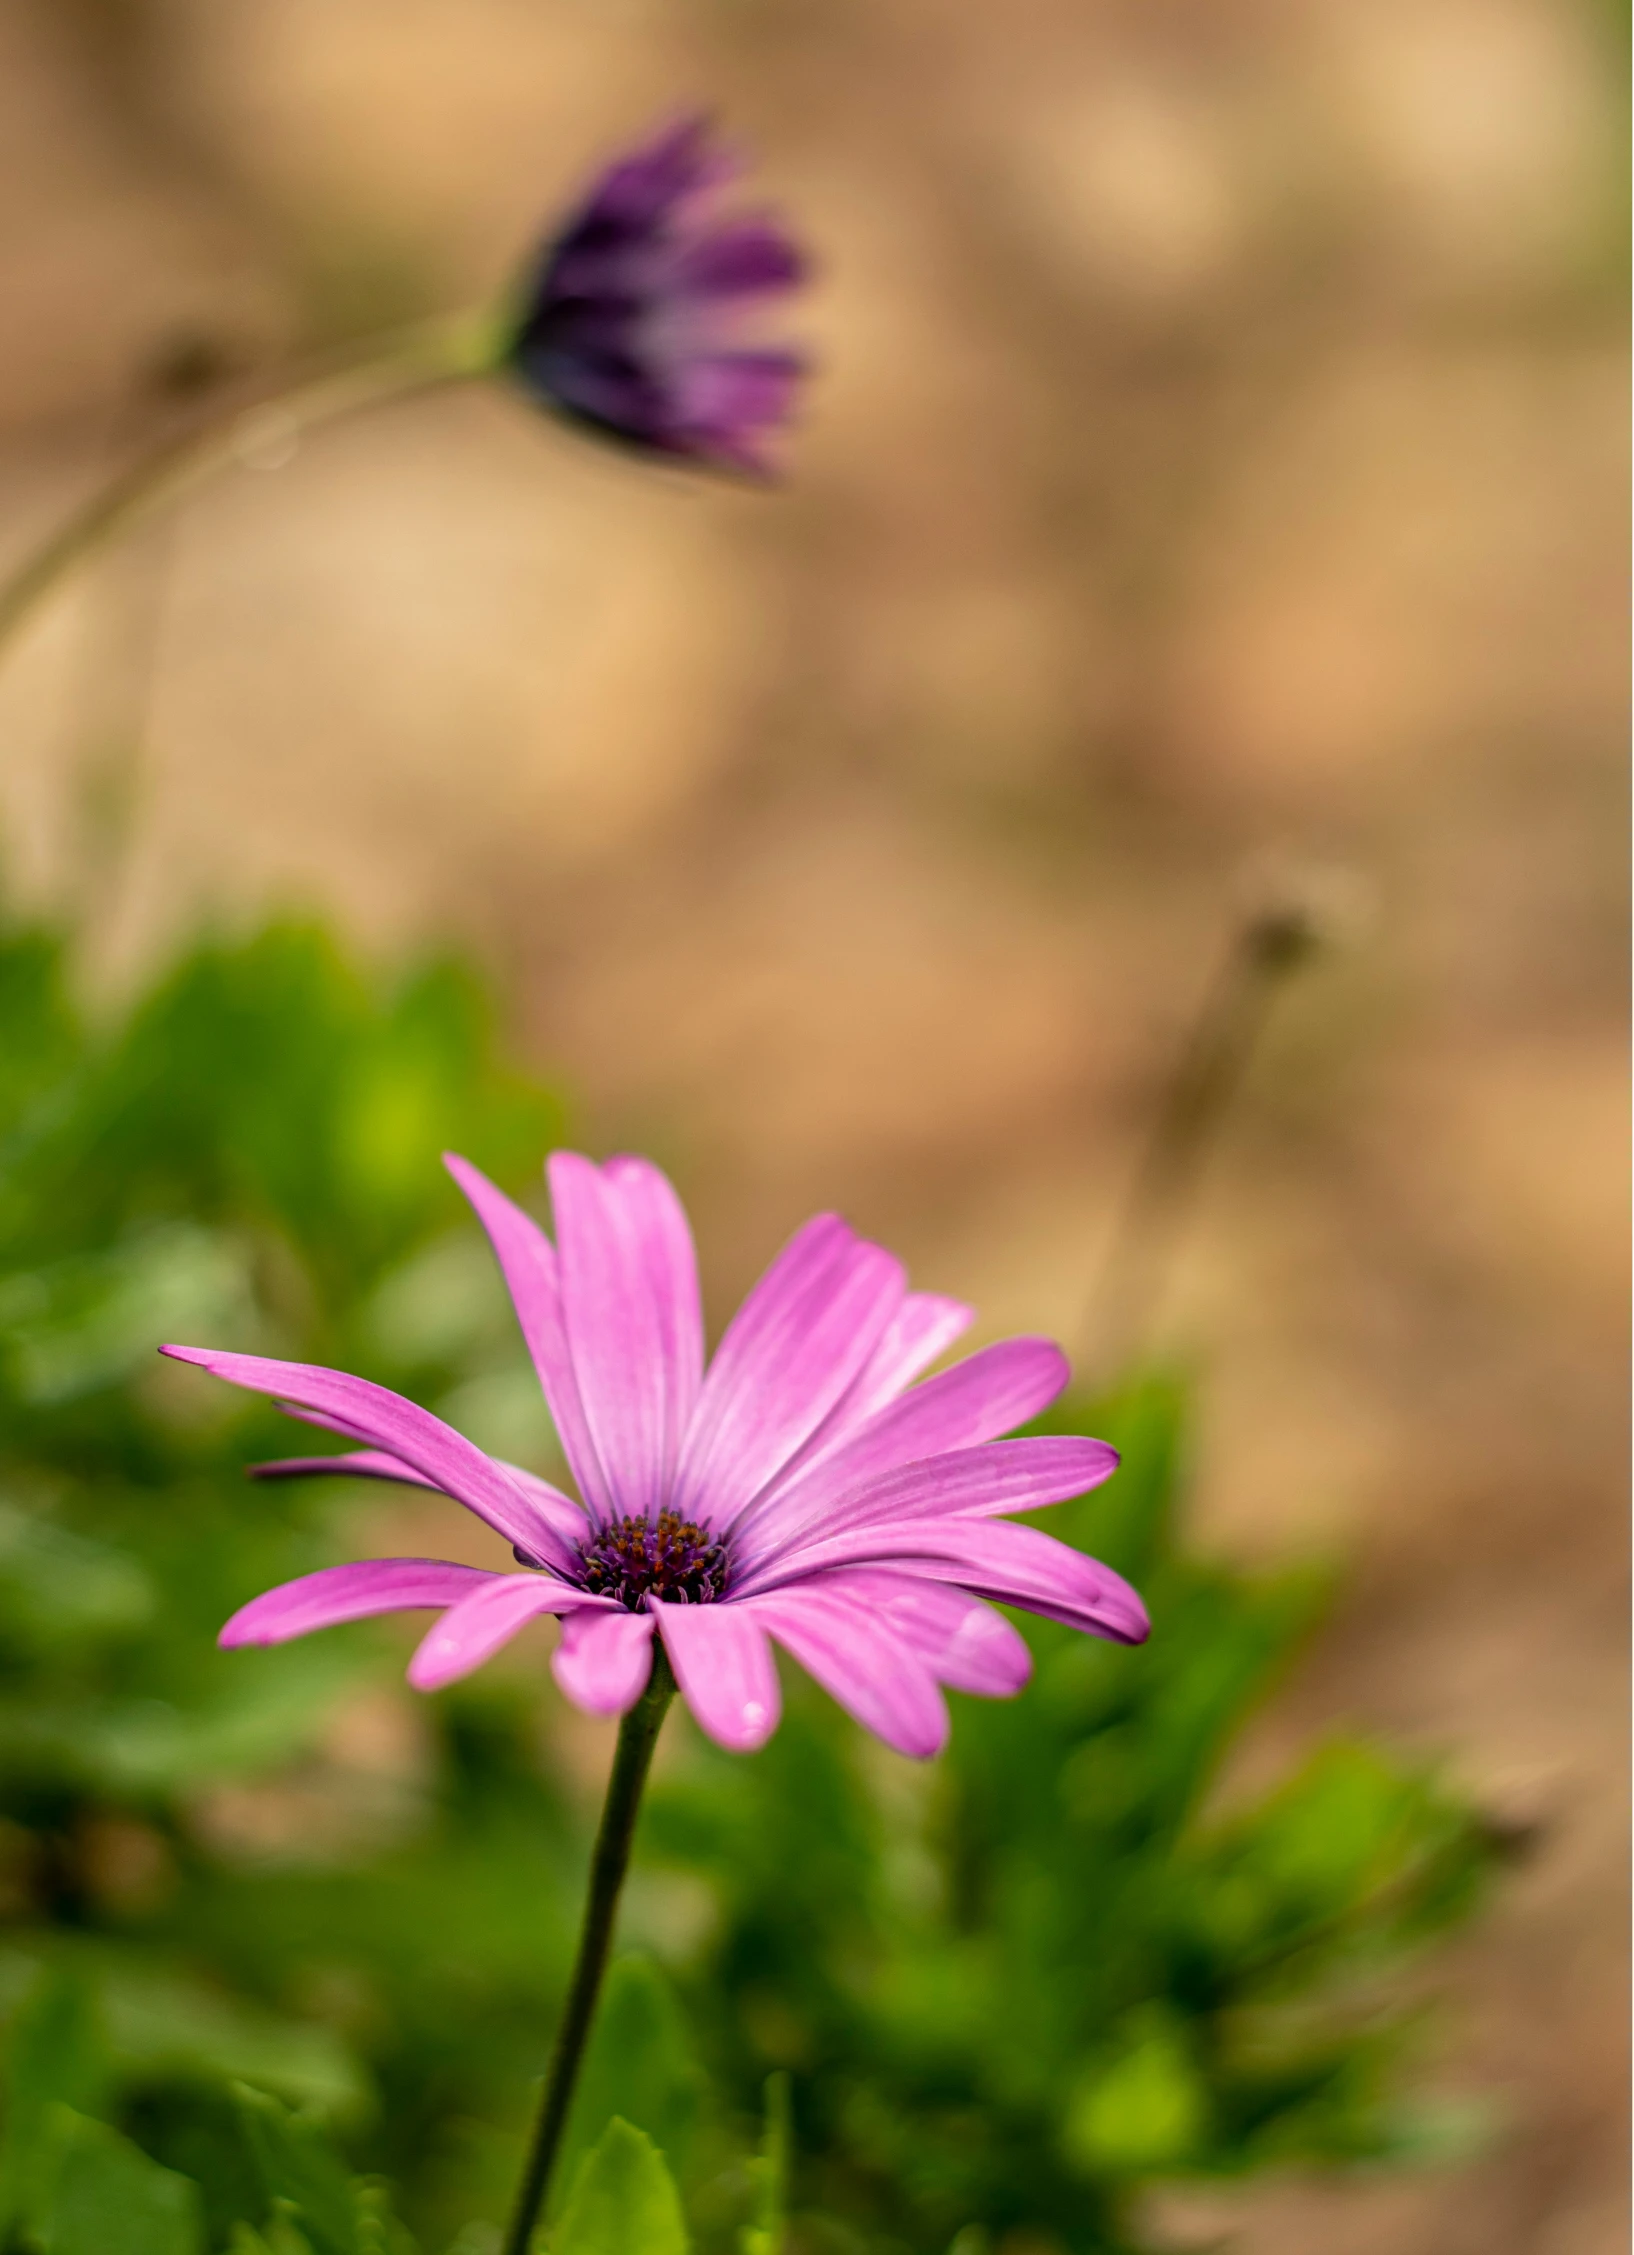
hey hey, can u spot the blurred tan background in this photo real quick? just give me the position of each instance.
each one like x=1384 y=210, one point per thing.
x=1218 y=457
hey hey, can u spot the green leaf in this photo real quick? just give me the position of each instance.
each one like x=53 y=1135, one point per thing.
x=623 y=2201
x=107 y=2198
x=280 y=2238
x=56 y=2058
x=639 y=2066
x=1147 y=2111
x=300 y=2167
x=770 y=2175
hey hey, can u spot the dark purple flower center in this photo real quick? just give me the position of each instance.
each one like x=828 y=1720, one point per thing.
x=675 y=1559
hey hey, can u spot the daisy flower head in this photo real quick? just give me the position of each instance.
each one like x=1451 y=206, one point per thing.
x=806 y=1486
x=642 y=320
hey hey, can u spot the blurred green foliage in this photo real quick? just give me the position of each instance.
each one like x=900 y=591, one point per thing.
x=1009 y=1992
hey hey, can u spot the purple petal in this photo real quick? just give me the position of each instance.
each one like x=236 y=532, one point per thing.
x=747 y=258
x=473 y=1630
x=874 y=1676
x=604 y=1659
x=527 y=1261
x=989 y=1394
x=640 y=189
x=961 y=1639
x=350 y=1593
x=385 y=1420
x=722 y=400
x=1012 y=1565
x=724 y=1667
x=803 y=1334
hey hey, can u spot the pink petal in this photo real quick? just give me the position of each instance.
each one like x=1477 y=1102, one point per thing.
x=965 y=1644
x=357 y=1464
x=527 y=1261
x=990 y=1393
x=604 y=1659
x=629 y=1293
x=350 y=1593
x=802 y=1336
x=724 y=1667
x=971 y=1483
x=374 y=1414
x=376 y=1464
x=1012 y=1565
x=875 y=1677
x=473 y=1630
x=924 y=1326
x=658 y=1218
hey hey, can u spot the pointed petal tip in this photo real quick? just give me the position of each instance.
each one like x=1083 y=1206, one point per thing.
x=1135 y=1626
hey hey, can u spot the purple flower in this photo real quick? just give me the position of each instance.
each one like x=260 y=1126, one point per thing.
x=640 y=320
x=801 y=1488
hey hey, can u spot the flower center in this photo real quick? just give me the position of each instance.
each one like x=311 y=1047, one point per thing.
x=676 y=1559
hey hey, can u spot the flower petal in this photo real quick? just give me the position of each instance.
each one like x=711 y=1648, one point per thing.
x=657 y=1219
x=374 y=1414
x=924 y=1326
x=377 y=1464
x=795 y=1345
x=724 y=1667
x=962 y=1640
x=473 y=1630
x=875 y=1676
x=629 y=1295
x=356 y=1464
x=350 y=1593
x=641 y=189
x=528 y=1263
x=971 y=1483
x=1012 y=1565
x=749 y=257
x=989 y=1394
x=604 y=1659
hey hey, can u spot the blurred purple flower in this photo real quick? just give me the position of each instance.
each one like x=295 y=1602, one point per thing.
x=640 y=322
x=800 y=1488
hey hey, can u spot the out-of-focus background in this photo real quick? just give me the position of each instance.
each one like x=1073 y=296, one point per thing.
x=1217 y=463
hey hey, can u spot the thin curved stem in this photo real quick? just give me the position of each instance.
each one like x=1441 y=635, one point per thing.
x=1275 y=940
x=449 y=350
x=610 y=1860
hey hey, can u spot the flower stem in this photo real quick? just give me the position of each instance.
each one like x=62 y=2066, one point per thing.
x=449 y=350
x=610 y=1859
x=1275 y=939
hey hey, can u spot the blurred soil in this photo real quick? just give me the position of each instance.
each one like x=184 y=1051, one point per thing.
x=1218 y=459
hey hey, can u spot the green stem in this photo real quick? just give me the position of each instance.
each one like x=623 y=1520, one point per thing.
x=610 y=1859
x=449 y=350
x=1274 y=940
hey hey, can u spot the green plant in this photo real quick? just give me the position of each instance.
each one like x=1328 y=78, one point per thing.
x=1015 y=1989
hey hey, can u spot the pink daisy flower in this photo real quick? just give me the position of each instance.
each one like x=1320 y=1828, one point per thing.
x=800 y=1489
